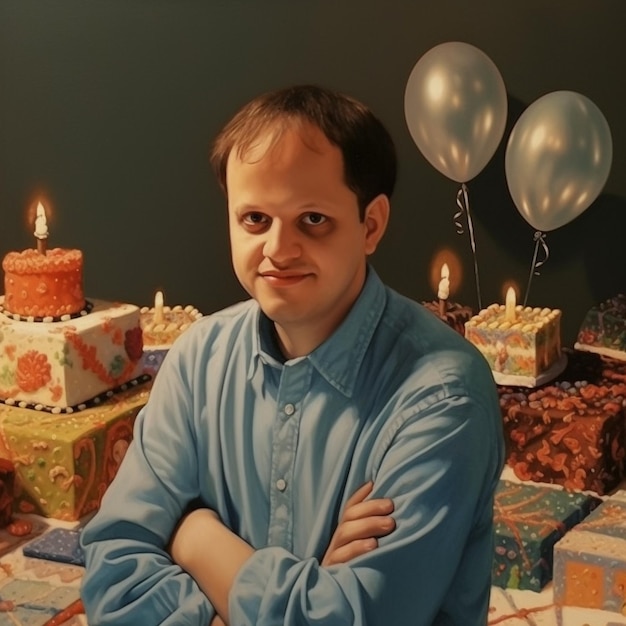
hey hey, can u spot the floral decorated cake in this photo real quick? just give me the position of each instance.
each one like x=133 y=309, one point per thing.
x=67 y=363
x=70 y=384
x=526 y=346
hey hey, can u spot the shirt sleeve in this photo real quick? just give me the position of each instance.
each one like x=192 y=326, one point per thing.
x=129 y=577
x=439 y=459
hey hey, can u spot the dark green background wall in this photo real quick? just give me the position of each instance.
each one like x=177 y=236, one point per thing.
x=107 y=108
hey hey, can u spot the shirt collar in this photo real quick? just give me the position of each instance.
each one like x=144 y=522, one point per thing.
x=339 y=358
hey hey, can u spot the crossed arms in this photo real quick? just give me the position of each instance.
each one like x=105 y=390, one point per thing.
x=215 y=561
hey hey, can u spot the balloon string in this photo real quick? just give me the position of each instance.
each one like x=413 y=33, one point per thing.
x=462 y=202
x=540 y=238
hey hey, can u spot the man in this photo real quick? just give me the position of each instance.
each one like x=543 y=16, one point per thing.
x=324 y=453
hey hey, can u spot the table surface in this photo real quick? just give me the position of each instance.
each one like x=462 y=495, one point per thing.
x=33 y=591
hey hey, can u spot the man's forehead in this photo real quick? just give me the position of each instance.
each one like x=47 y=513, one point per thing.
x=279 y=138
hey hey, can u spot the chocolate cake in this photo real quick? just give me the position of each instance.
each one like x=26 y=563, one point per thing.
x=455 y=314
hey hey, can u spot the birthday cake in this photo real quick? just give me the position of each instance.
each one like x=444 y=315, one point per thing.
x=43 y=285
x=521 y=349
x=70 y=383
x=161 y=326
x=67 y=363
x=453 y=314
x=604 y=329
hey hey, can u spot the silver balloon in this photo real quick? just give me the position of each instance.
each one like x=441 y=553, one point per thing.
x=557 y=159
x=455 y=107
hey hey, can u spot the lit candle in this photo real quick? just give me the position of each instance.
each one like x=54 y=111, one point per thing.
x=41 y=229
x=509 y=305
x=158 y=308
x=444 y=289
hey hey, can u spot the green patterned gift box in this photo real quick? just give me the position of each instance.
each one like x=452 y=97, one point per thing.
x=529 y=519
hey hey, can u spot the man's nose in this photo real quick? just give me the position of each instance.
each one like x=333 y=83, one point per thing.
x=282 y=243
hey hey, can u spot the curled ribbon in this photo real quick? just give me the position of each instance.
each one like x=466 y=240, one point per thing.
x=460 y=196
x=462 y=201
x=540 y=239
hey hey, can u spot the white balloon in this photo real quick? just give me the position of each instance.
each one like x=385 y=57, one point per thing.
x=455 y=106
x=558 y=158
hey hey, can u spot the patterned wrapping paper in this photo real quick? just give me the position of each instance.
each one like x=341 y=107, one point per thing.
x=529 y=520
x=64 y=463
x=572 y=434
x=61 y=545
x=590 y=562
x=33 y=591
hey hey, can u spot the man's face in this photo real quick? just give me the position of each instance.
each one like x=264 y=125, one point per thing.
x=298 y=246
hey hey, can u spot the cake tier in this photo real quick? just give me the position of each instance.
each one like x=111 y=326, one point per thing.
x=64 y=463
x=43 y=285
x=526 y=347
x=455 y=314
x=64 y=364
x=572 y=434
x=163 y=333
x=529 y=520
x=604 y=329
x=590 y=561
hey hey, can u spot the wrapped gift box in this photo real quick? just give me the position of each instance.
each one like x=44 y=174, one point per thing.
x=590 y=561
x=64 y=462
x=571 y=434
x=529 y=520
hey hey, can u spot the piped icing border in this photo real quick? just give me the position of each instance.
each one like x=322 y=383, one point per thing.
x=92 y=402
x=49 y=319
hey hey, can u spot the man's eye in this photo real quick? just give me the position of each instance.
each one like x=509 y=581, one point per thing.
x=313 y=219
x=254 y=219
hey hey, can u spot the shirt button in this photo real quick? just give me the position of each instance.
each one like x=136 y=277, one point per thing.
x=289 y=409
x=281 y=485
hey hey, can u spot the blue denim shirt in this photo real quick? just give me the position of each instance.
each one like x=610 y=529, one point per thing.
x=277 y=447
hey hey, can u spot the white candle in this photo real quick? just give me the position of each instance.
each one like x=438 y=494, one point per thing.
x=509 y=305
x=41 y=228
x=444 y=289
x=158 y=308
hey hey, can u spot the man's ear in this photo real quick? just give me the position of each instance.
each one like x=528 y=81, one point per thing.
x=375 y=222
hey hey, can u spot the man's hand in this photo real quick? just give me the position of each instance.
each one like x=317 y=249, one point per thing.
x=360 y=526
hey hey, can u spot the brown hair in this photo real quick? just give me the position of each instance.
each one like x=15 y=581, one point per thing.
x=367 y=148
